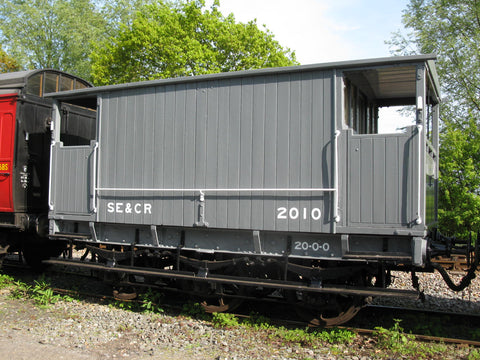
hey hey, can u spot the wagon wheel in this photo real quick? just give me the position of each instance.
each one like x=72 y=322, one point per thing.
x=330 y=309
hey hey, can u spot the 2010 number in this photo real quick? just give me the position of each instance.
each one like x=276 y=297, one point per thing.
x=294 y=213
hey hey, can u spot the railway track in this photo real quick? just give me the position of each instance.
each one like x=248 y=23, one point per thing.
x=425 y=325
x=454 y=262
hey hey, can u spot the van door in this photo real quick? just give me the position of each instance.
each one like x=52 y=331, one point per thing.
x=7 y=134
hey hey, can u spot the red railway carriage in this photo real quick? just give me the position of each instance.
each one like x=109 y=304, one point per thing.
x=25 y=120
x=8 y=106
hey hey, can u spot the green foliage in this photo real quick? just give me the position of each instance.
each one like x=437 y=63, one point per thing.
x=402 y=344
x=127 y=305
x=170 y=39
x=6 y=281
x=305 y=337
x=449 y=28
x=224 y=320
x=20 y=290
x=393 y=338
x=7 y=63
x=51 y=33
x=474 y=354
x=132 y=39
x=257 y=321
x=337 y=336
x=40 y=292
x=195 y=310
x=459 y=206
x=150 y=301
x=292 y=336
x=43 y=295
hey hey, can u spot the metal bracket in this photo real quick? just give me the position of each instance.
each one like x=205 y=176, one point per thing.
x=201 y=211
x=257 y=245
x=154 y=233
x=345 y=244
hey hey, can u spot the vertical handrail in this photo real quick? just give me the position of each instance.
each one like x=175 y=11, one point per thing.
x=336 y=216
x=419 y=220
x=55 y=133
x=94 y=180
x=51 y=206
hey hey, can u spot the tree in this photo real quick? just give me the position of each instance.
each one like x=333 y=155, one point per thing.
x=168 y=39
x=51 y=33
x=451 y=28
x=7 y=64
x=459 y=208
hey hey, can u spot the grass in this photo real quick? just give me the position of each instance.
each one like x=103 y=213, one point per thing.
x=393 y=342
x=397 y=342
x=40 y=292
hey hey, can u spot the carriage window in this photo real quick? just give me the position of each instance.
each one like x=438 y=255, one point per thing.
x=51 y=83
x=380 y=100
x=66 y=83
x=80 y=85
x=360 y=112
x=394 y=119
x=35 y=85
x=78 y=125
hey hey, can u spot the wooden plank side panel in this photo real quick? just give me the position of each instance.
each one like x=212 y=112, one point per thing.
x=258 y=152
x=246 y=151
x=189 y=209
x=305 y=147
x=380 y=169
x=381 y=180
x=233 y=204
x=72 y=174
x=283 y=147
x=252 y=132
x=270 y=152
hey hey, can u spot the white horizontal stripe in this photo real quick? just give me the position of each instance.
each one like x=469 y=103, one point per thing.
x=222 y=190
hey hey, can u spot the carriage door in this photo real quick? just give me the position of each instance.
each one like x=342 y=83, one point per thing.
x=7 y=133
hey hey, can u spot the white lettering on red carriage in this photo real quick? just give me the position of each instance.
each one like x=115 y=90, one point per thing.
x=129 y=208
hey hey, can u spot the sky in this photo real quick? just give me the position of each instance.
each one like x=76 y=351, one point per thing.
x=321 y=31
x=324 y=30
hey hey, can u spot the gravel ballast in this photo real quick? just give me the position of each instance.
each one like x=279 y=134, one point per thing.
x=92 y=330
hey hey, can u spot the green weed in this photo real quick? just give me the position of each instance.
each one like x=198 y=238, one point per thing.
x=257 y=321
x=196 y=311
x=224 y=320
x=337 y=336
x=393 y=338
x=400 y=343
x=305 y=337
x=20 y=290
x=474 y=354
x=292 y=336
x=150 y=301
x=40 y=292
x=5 y=281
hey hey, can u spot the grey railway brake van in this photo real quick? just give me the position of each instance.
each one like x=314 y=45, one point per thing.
x=278 y=162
